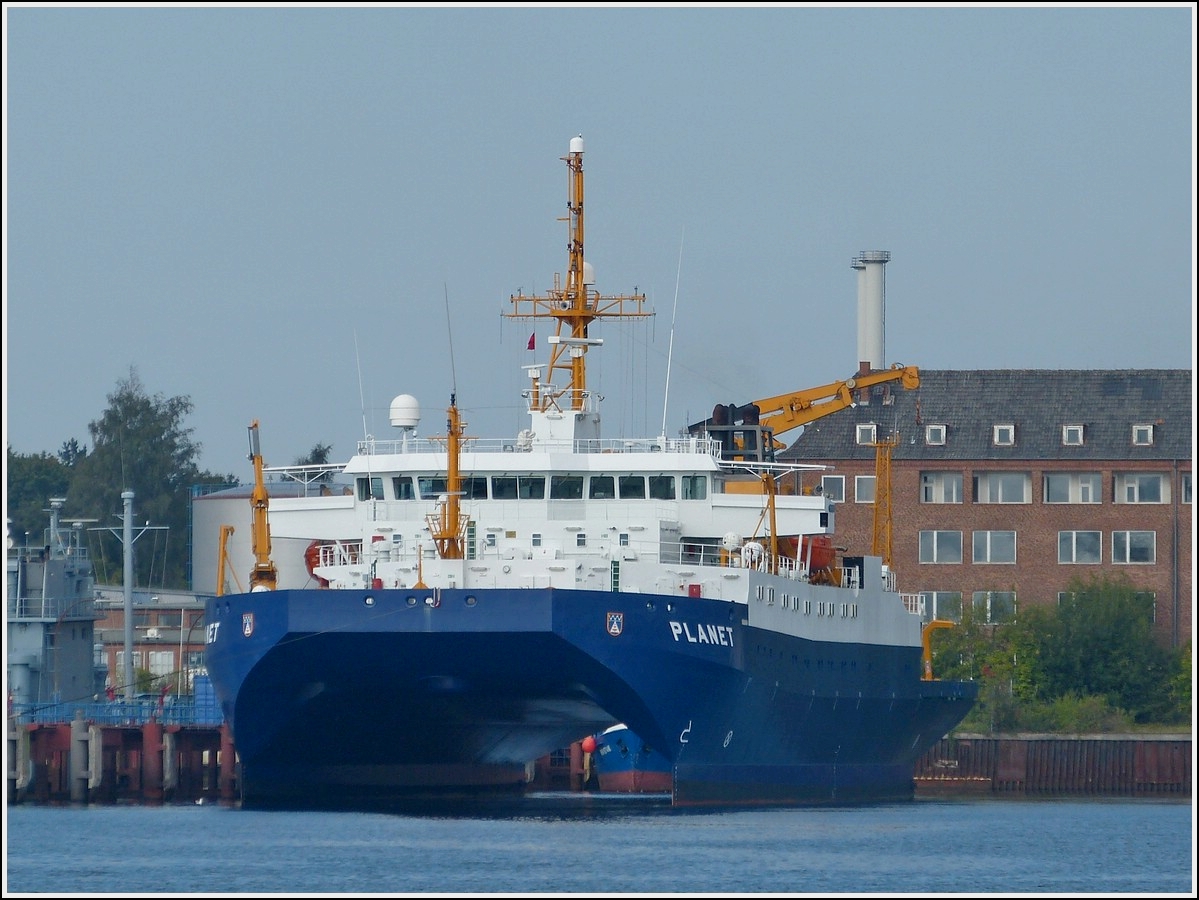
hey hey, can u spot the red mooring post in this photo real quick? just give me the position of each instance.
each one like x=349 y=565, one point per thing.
x=152 y=762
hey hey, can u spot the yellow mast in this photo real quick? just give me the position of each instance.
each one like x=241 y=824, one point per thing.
x=882 y=544
x=574 y=307
x=448 y=524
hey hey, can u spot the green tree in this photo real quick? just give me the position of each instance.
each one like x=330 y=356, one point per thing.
x=31 y=481
x=318 y=456
x=1090 y=663
x=140 y=444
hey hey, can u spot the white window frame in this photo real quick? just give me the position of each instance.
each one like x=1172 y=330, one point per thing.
x=999 y=606
x=934 y=435
x=1123 y=549
x=946 y=605
x=1004 y=435
x=988 y=545
x=933 y=545
x=860 y=481
x=837 y=494
x=867 y=434
x=1130 y=487
x=994 y=487
x=1067 y=548
x=1142 y=435
x=1081 y=487
x=941 y=487
x=1072 y=435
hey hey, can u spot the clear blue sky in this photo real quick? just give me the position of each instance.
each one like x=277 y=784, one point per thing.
x=286 y=213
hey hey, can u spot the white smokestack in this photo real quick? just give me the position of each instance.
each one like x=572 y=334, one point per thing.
x=872 y=295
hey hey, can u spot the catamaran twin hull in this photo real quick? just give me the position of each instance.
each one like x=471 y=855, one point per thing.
x=336 y=697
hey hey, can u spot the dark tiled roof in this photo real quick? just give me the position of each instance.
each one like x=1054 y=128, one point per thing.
x=970 y=402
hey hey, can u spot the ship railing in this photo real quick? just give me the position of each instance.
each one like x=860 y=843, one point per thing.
x=174 y=711
x=688 y=445
x=913 y=603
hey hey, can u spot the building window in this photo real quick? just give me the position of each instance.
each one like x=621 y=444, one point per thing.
x=1002 y=487
x=833 y=487
x=866 y=434
x=863 y=488
x=995 y=607
x=940 y=547
x=934 y=435
x=581 y=539
x=535 y=538
x=1003 y=435
x=401 y=486
x=1186 y=487
x=994 y=546
x=695 y=487
x=1134 y=547
x=1079 y=547
x=1072 y=487
x=490 y=540
x=940 y=487
x=623 y=540
x=946 y=605
x=1141 y=487
x=1072 y=435
x=1142 y=435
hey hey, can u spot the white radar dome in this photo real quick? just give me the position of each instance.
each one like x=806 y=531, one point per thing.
x=405 y=411
x=731 y=540
x=576 y=144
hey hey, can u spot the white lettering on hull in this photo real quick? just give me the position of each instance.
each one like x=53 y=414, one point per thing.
x=718 y=635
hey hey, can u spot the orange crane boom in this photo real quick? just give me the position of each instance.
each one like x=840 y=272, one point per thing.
x=264 y=576
x=750 y=431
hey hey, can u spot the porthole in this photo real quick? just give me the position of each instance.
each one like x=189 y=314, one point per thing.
x=411 y=601
x=471 y=599
x=368 y=600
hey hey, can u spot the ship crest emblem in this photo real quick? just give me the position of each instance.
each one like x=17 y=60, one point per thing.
x=247 y=624
x=615 y=623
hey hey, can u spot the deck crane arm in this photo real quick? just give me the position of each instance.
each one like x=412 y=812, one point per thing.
x=773 y=416
x=223 y=561
x=263 y=576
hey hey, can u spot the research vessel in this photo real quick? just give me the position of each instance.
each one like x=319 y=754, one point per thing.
x=475 y=604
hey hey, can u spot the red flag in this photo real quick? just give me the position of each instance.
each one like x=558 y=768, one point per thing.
x=532 y=340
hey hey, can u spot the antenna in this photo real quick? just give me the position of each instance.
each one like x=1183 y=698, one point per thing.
x=361 y=396
x=450 y=337
x=670 y=347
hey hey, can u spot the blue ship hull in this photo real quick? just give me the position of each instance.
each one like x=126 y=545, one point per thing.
x=339 y=696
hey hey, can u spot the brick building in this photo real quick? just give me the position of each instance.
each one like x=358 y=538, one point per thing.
x=1006 y=484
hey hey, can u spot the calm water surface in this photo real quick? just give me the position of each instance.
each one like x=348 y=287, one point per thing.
x=579 y=844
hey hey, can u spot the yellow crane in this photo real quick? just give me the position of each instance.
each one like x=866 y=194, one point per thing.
x=222 y=562
x=749 y=432
x=264 y=576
